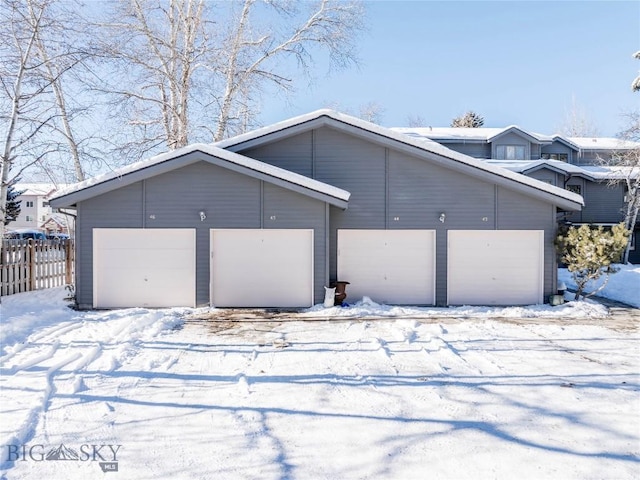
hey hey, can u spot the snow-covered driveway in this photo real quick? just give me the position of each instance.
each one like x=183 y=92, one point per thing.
x=152 y=396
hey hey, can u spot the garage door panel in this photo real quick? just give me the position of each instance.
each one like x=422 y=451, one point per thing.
x=162 y=258
x=144 y=267
x=262 y=267
x=495 y=267
x=389 y=266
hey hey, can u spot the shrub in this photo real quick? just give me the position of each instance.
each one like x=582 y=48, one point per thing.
x=590 y=252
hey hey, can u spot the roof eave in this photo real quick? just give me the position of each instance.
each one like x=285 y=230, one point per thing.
x=182 y=160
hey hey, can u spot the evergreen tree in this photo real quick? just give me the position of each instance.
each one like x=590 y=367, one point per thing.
x=470 y=120
x=13 y=205
x=590 y=252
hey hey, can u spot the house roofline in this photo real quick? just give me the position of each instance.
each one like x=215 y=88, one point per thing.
x=428 y=149
x=192 y=154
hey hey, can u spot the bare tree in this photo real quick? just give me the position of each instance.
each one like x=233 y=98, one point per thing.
x=252 y=53
x=577 y=122
x=158 y=47
x=625 y=162
x=36 y=54
x=53 y=70
x=371 y=112
x=22 y=91
x=190 y=78
x=416 y=121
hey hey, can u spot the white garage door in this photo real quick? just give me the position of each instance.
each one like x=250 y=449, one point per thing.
x=388 y=266
x=495 y=267
x=261 y=268
x=144 y=267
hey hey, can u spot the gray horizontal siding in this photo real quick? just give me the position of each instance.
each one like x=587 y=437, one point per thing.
x=534 y=150
x=511 y=139
x=603 y=204
x=229 y=200
x=546 y=176
x=476 y=150
x=590 y=157
x=120 y=208
x=359 y=167
x=286 y=209
x=174 y=200
x=580 y=182
x=293 y=154
x=557 y=147
x=517 y=212
x=395 y=190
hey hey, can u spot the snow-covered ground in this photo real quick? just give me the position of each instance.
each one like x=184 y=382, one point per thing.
x=623 y=286
x=432 y=394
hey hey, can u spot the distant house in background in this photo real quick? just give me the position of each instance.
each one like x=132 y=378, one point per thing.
x=56 y=223
x=515 y=143
x=35 y=212
x=572 y=163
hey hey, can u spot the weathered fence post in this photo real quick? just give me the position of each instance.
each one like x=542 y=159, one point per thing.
x=31 y=256
x=68 y=255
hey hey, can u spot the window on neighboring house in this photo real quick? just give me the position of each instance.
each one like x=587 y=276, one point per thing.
x=563 y=157
x=45 y=204
x=29 y=203
x=510 y=152
x=29 y=218
x=574 y=189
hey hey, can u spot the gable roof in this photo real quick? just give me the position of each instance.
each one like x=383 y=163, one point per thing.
x=421 y=147
x=529 y=166
x=38 y=189
x=594 y=173
x=168 y=161
x=470 y=135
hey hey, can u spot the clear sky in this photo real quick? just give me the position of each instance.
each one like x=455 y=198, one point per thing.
x=513 y=62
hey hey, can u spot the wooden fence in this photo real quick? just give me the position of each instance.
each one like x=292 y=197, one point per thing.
x=27 y=265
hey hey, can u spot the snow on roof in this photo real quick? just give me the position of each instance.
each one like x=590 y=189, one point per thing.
x=453 y=133
x=39 y=189
x=603 y=143
x=231 y=157
x=466 y=134
x=593 y=172
x=393 y=134
x=612 y=171
x=486 y=134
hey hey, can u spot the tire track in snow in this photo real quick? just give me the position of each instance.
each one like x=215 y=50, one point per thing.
x=55 y=332
x=26 y=431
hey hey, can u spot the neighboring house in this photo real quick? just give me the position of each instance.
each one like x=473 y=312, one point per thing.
x=57 y=223
x=34 y=206
x=268 y=218
x=35 y=211
x=515 y=143
x=573 y=163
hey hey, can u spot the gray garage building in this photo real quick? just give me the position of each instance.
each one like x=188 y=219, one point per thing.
x=266 y=219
